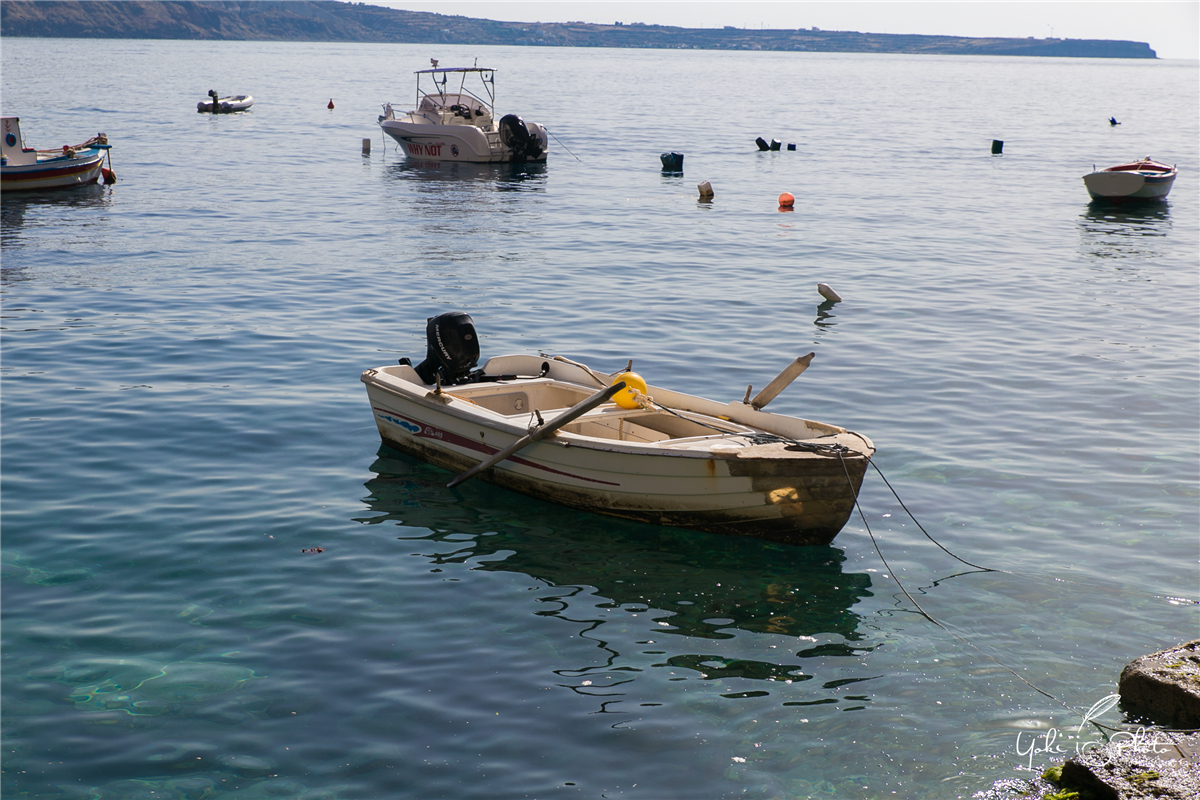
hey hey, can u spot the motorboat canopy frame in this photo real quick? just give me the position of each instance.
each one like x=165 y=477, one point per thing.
x=486 y=76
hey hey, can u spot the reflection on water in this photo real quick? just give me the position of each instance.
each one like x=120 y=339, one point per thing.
x=24 y=214
x=825 y=315
x=696 y=587
x=1124 y=231
x=443 y=175
x=455 y=205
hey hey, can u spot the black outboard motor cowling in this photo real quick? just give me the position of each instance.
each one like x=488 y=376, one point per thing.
x=515 y=135
x=453 y=348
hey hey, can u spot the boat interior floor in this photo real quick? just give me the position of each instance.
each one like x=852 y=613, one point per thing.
x=682 y=429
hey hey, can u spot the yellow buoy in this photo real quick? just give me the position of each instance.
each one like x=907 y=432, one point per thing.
x=626 y=398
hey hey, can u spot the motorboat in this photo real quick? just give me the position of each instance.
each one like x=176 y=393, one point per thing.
x=24 y=168
x=1137 y=180
x=555 y=429
x=224 y=105
x=452 y=122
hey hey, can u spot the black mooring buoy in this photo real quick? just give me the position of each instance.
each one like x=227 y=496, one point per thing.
x=776 y=144
x=791 y=145
x=672 y=162
x=762 y=143
x=997 y=147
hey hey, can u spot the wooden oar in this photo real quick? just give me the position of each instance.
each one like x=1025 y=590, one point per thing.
x=781 y=382
x=541 y=432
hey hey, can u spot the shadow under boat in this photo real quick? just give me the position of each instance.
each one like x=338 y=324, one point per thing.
x=708 y=582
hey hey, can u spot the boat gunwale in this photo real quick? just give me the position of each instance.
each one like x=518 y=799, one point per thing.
x=463 y=409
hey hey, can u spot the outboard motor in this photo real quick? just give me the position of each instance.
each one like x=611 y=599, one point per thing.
x=453 y=348
x=515 y=135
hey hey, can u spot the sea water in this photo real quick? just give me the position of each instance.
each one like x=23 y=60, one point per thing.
x=182 y=420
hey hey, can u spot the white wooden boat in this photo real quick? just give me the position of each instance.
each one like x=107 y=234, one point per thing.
x=23 y=168
x=550 y=428
x=454 y=123
x=225 y=105
x=1137 y=180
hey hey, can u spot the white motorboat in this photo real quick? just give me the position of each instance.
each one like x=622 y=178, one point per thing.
x=555 y=429
x=24 y=168
x=454 y=123
x=224 y=105
x=1137 y=180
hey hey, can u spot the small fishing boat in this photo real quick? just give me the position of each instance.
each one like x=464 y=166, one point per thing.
x=23 y=168
x=555 y=429
x=454 y=123
x=224 y=105
x=1137 y=180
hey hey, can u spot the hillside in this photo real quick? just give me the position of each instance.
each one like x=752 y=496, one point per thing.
x=328 y=21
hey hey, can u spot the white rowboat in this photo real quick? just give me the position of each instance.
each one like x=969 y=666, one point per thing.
x=1137 y=180
x=671 y=459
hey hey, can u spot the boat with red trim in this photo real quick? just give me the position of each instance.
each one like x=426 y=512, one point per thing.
x=1137 y=180
x=555 y=429
x=23 y=168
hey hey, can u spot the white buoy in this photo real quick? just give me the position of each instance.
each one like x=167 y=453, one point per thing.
x=705 y=189
x=826 y=291
x=366 y=147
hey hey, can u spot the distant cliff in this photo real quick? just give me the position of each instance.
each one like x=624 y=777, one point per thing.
x=328 y=21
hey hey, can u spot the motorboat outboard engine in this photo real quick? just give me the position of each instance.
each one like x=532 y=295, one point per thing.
x=515 y=135
x=453 y=349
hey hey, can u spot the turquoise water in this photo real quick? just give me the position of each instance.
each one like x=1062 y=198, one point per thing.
x=182 y=416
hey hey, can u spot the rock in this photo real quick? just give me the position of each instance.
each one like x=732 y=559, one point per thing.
x=1155 y=764
x=1165 y=686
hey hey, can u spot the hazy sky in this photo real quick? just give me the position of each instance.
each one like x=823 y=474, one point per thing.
x=1171 y=28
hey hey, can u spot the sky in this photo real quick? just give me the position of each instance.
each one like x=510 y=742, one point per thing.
x=1171 y=27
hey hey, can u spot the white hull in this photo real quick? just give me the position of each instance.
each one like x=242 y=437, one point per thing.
x=452 y=142
x=643 y=464
x=1144 y=180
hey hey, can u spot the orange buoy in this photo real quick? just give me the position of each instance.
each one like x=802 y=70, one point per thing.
x=786 y=200
x=330 y=106
x=108 y=175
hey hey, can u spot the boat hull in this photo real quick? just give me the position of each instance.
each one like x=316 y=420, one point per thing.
x=55 y=173
x=767 y=491
x=465 y=143
x=1128 y=185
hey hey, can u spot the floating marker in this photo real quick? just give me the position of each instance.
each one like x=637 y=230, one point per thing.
x=330 y=106
x=366 y=147
x=997 y=147
x=786 y=200
x=705 y=189
x=776 y=144
x=672 y=162
x=826 y=291
x=762 y=143
x=791 y=145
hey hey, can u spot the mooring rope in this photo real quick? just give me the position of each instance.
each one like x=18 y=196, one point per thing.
x=963 y=639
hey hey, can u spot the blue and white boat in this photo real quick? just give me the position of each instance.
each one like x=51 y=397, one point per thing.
x=23 y=168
